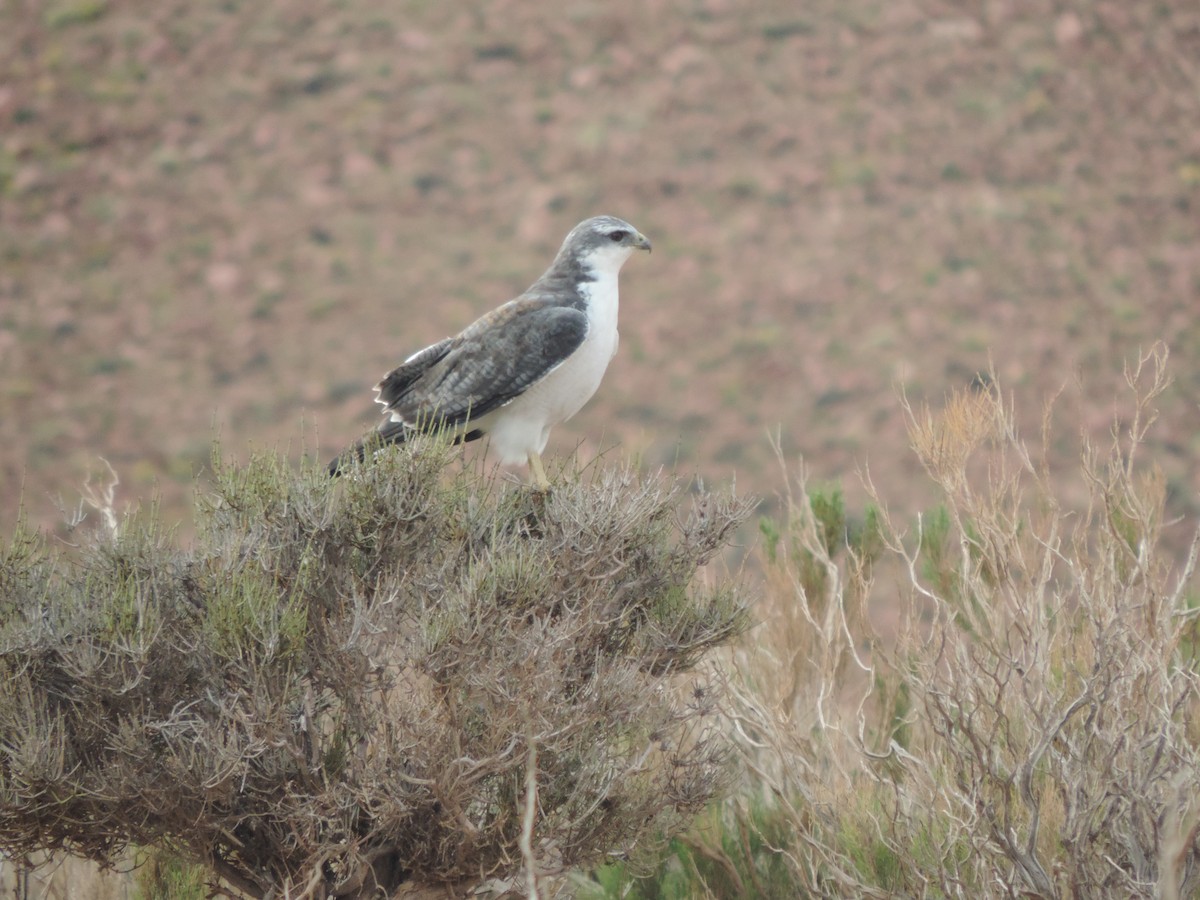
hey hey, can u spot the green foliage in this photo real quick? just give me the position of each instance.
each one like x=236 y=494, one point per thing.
x=74 y=12
x=732 y=852
x=875 y=861
x=165 y=876
x=22 y=568
x=1189 y=641
x=837 y=536
x=251 y=617
x=941 y=561
x=771 y=536
x=894 y=863
x=894 y=695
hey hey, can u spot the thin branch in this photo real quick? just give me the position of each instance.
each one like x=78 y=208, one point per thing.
x=527 y=822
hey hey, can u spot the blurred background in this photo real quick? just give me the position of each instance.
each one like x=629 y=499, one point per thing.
x=227 y=220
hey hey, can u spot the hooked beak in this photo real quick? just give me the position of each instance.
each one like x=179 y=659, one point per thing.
x=643 y=242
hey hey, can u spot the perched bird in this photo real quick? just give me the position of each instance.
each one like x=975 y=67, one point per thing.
x=523 y=368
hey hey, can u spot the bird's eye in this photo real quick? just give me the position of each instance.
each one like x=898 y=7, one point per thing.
x=617 y=236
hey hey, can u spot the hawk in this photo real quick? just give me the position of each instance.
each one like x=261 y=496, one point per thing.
x=522 y=368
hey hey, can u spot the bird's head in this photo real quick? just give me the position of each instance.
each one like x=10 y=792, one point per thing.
x=603 y=243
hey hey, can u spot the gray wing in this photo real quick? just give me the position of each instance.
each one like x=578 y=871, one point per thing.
x=397 y=383
x=493 y=361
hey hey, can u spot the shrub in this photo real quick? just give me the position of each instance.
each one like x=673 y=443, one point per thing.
x=1028 y=729
x=408 y=679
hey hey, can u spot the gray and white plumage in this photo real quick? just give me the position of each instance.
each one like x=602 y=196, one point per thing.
x=524 y=367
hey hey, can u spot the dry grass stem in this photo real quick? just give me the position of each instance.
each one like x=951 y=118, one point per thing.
x=1026 y=729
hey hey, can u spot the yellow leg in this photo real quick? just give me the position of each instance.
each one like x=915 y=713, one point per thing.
x=539 y=474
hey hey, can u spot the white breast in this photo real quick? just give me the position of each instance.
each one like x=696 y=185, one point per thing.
x=523 y=426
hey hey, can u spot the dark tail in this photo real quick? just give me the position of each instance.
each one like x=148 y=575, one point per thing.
x=390 y=433
x=387 y=433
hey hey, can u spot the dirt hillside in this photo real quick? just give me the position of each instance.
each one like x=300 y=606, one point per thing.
x=230 y=218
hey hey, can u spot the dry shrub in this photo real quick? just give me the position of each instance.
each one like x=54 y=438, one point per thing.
x=1030 y=729
x=406 y=681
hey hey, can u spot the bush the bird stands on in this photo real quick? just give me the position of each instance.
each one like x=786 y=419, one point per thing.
x=401 y=681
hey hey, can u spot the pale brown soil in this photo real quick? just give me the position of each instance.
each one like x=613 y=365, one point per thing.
x=230 y=218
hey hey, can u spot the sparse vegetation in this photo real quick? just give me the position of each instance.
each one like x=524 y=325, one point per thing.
x=1027 y=729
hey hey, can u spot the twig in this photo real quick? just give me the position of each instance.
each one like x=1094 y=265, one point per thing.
x=526 y=842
